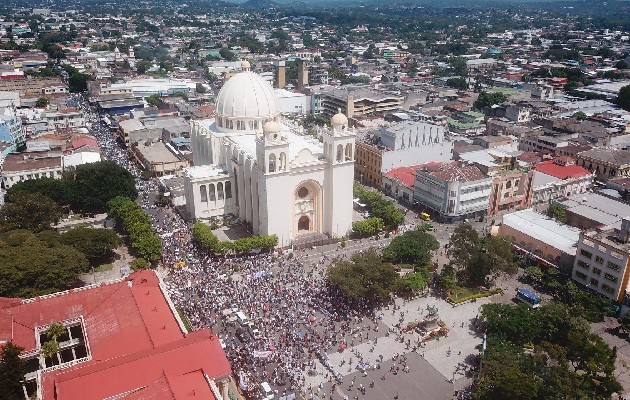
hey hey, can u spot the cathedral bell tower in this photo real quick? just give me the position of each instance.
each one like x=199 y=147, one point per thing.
x=339 y=142
x=272 y=149
x=339 y=153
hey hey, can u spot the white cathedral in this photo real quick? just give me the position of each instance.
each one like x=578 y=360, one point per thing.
x=250 y=164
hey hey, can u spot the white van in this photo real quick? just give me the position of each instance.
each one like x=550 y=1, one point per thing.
x=267 y=392
x=242 y=318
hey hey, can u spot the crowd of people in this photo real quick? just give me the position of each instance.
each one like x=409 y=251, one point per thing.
x=296 y=316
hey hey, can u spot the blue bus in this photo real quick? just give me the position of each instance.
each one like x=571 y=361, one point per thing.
x=528 y=297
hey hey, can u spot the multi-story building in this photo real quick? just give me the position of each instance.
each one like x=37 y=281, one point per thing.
x=452 y=190
x=120 y=339
x=559 y=178
x=400 y=145
x=541 y=239
x=511 y=190
x=356 y=101
x=23 y=167
x=605 y=162
x=32 y=86
x=11 y=130
x=64 y=119
x=601 y=263
x=543 y=144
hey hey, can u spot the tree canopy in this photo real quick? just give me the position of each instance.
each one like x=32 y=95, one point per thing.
x=566 y=360
x=12 y=371
x=96 y=243
x=623 y=98
x=412 y=247
x=367 y=227
x=488 y=99
x=204 y=237
x=29 y=211
x=137 y=224
x=87 y=188
x=477 y=259
x=364 y=277
x=34 y=264
x=379 y=207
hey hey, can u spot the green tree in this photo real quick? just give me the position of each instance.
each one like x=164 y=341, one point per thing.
x=153 y=100
x=457 y=83
x=199 y=88
x=95 y=184
x=146 y=243
x=142 y=66
x=488 y=99
x=96 y=244
x=368 y=227
x=623 y=98
x=580 y=116
x=459 y=66
x=227 y=55
x=621 y=64
x=364 y=277
x=34 y=212
x=463 y=246
x=557 y=212
x=42 y=102
x=203 y=235
x=412 y=247
x=30 y=266
x=139 y=264
x=503 y=377
x=12 y=371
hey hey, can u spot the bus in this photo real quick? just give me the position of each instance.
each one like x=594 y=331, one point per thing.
x=528 y=297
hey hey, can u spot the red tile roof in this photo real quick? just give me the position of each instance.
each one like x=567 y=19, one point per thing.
x=172 y=371
x=134 y=340
x=76 y=144
x=407 y=175
x=455 y=172
x=562 y=171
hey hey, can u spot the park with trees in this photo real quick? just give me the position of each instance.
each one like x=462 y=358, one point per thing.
x=544 y=353
x=476 y=262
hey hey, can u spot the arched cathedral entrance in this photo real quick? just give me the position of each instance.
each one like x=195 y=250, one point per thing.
x=307 y=208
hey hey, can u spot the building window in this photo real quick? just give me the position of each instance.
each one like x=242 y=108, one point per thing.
x=220 y=190
x=608 y=289
x=613 y=266
x=228 y=190
x=203 y=193
x=584 y=265
x=211 y=193
x=586 y=254
x=597 y=271
x=610 y=277
x=594 y=282
x=599 y=260
x=580 y=275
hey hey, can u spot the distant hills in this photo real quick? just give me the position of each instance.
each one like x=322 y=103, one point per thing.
x=259 y=4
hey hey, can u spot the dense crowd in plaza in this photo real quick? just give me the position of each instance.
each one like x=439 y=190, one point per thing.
x=298 y=317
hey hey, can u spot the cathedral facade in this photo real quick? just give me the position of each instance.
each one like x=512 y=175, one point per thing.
x=250 y=164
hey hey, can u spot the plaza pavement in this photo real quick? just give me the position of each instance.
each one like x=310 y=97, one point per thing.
x=431 y=368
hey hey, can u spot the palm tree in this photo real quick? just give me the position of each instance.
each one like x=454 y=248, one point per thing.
x=51 y=347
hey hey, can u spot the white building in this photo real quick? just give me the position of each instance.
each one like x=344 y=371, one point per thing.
x=24 y=167
x=601 y=263
x=250 y=164
x=452 y=191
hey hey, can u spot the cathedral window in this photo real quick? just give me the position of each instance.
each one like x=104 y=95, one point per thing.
x=283 y=162
x=228 y=190
x=203 y=193
x=220 y=190
x=255 y=124
x=349 y=155
x=340 y=153
x=302 y=192
x=211 y=192
x=251 y=125
x=272 y=163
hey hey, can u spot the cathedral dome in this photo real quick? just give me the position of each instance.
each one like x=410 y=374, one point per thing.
x=247 y=95
x=271 y=127
x=339 y=119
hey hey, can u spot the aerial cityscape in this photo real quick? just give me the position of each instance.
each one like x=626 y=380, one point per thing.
x=276 y=200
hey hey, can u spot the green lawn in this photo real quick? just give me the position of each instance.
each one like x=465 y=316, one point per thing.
x=461 y=294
